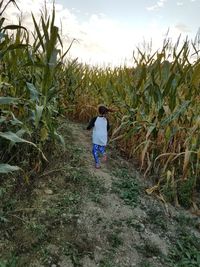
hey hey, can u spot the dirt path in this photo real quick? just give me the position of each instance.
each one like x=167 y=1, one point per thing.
x=109 y=221
x=77 y=216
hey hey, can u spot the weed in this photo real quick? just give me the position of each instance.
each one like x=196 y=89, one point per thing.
x=76 y=175
x=131 y=222
x=184 y=190
x=11 y=262
x=156 y=217
x=186 y=251
x=145 y=263
x=127 y=187
x=36 y=228
x=184 y=220
x=169 y=192
x=149 y=249
x=114 y=240
x=96 y=189
x=107 y=263
x=76 y=157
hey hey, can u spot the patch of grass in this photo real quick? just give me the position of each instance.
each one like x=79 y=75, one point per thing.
x=145 y=263
x=184 y=220
x=114 y=240
x=36 y=228
x=76 y=157
x=186 y=251
x=60 y=210
x=148 y=249
x=127 y=186
x=11 y=262
x=116 y=223
x=96 y=189
x=185 y=189
x=156 y=218
x=131 y=222
x=76 y=175
x=77 y=248
x=107 y=263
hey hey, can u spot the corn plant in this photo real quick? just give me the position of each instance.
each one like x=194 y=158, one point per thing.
x=29 y=88
x=157 y=118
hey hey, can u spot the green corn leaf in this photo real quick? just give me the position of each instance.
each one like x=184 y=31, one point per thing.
x=15 y=121
x=168 y=84
x=45 y=29
x=38 y=33
x=13 y=27
x=16 y=139
x=6 y=100
x=33 y=91
x=1 y=21
x=60 y=138
x=38 y=115
x=6 y=168
x=175 y=114
x=52 y=43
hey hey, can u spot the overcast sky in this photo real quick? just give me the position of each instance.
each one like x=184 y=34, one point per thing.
x=107 y=31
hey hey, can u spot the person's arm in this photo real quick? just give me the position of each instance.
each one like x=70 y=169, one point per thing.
x=91 y=123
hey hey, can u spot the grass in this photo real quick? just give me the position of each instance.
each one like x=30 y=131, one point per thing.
x=145 y=263
x=114 y=240
x=96 y=189
x=156 y=218
x=185 y=221
x=186 y=250
x=126 y=186
x=132 y=222
x=148 y=249
x=11 y=262
x=107 y=263
x=76 y=175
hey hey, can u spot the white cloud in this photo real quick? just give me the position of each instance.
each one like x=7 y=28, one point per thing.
x=100 y=39
x=158 y=5
x=179 y=3
x=182 y=28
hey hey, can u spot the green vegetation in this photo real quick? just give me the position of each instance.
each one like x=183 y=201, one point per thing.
x=127 y=186
x=29 y=93
x=114 y=240
x=148 y=249
x=156 y=102
x=44 y=185
x=186 y=252
x=157 y=113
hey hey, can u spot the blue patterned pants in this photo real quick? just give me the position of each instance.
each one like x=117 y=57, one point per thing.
x=96 y=149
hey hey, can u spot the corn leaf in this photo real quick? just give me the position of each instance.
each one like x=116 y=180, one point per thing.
x=6 y=168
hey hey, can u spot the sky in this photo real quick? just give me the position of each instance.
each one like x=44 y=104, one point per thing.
x=108 y=31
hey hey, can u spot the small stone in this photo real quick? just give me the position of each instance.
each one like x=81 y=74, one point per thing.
x=48 y=191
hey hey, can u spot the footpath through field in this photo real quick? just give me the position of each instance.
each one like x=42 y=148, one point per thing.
x=79 y=216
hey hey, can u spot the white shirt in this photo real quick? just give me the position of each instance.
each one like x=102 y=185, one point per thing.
x=100 y=134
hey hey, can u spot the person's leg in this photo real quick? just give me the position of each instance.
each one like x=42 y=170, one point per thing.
x=102 y=150
x=95 y=150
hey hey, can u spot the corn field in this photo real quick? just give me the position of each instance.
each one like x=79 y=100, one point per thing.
x=157 y=118
x=156 y=121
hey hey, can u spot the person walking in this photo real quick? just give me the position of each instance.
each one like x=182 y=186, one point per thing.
x=100 y=125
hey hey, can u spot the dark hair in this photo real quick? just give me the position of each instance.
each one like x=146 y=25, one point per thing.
x=103 y=110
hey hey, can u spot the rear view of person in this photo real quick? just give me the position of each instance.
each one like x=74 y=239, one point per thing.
x=100 y=126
